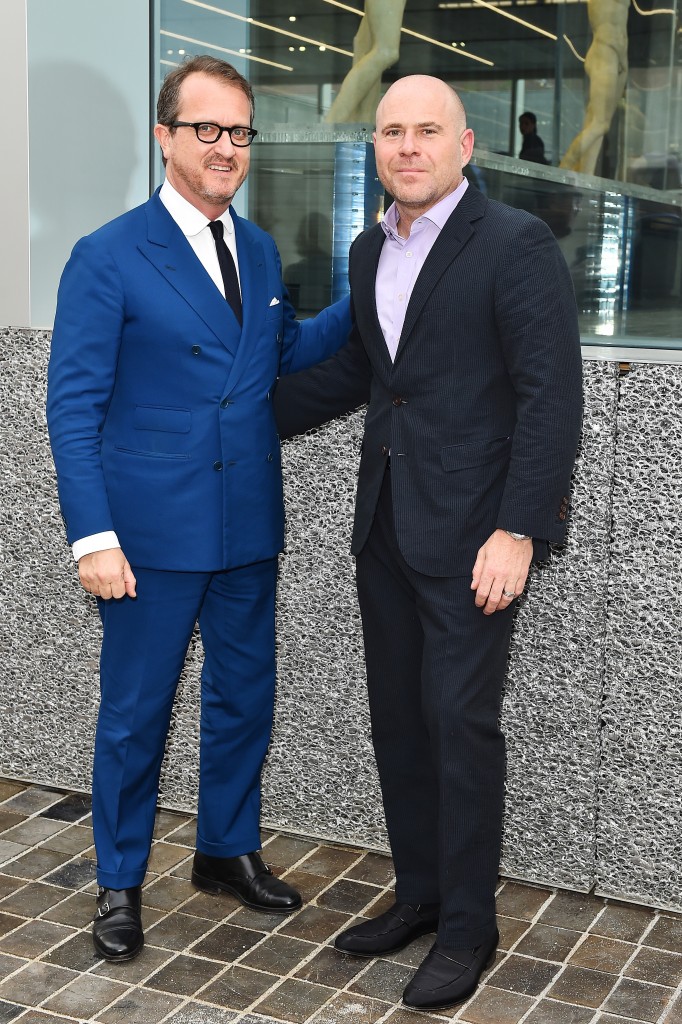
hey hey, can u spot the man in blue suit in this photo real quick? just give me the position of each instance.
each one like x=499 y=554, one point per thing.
x=168 y=467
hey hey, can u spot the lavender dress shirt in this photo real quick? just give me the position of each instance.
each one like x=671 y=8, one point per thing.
x=401 y=260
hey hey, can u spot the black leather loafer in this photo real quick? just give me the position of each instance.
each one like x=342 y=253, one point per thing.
x=247 y=878
x=448 y=977
x=391 y=931
x=117 y=932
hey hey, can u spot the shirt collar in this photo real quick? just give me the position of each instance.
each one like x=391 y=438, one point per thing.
x=438 y=214
x=190 y=220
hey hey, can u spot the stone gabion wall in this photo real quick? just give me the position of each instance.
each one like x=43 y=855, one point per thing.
x=574 y=728
x=639 y=828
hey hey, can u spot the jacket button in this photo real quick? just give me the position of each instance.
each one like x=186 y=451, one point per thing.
x=397 y=400
x=224 y=404
x=196 y=349
x=384 y=450
x=269 y=456
x=562 y=516
x=217 y=466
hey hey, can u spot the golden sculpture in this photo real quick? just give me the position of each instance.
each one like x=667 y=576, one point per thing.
x=376 y=46
x=606 y=66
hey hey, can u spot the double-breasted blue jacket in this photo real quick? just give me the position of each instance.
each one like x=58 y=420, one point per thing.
x=159 y=404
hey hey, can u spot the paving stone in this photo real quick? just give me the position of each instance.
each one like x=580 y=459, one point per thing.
x=85 y=996
x=139 y=1006
x=294 y=1000
x=639 y=1000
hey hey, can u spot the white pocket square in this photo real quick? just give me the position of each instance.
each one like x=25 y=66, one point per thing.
x=274 y=302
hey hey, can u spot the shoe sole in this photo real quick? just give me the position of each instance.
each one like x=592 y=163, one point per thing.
x=393 y=949
x=215 y=888
x=122 y=957
x=460 y=999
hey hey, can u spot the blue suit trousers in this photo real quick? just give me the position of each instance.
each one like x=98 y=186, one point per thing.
x=144 y=645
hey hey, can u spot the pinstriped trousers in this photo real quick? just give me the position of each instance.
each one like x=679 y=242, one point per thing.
x=435 y=671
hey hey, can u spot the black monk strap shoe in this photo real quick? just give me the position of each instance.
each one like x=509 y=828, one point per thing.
x=247 y=878
x=449 y=976
x=117 y=931
x=391 y=931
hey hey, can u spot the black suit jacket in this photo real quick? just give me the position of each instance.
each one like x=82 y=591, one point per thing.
x=481 y=408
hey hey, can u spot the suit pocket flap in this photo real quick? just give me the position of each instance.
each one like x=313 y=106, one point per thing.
x=158 y=417
x=475 y=453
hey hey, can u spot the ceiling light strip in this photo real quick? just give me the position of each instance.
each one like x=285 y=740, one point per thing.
x=450 y=49
x=224 y=49
x=268 y=28
x=647 y=14
x=344 y=7
x=513 y=17
x=573 y=49
x=417 y=35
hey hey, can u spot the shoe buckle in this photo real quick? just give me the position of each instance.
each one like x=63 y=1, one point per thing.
x=103 y=910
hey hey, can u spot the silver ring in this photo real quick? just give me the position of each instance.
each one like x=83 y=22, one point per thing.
x=508 y=593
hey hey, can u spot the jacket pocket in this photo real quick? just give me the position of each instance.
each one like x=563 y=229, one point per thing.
x=159 y=417
x=475 y=453
x=150 y=455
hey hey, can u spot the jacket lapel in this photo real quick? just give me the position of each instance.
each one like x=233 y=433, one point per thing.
x=255 y=297
x=456 y=232
x=364 y=289
x=169 y=251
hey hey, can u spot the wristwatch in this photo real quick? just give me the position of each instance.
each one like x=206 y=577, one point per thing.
x=517 y=536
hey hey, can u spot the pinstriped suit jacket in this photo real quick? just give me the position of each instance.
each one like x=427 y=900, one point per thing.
x=481 y=408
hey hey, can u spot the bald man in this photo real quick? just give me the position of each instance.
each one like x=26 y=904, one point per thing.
x=465 y=343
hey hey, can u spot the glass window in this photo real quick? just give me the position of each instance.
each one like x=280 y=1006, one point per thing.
x=602 y=78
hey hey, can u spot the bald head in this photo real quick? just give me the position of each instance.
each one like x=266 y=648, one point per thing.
x=421 y=144
x=430 y=91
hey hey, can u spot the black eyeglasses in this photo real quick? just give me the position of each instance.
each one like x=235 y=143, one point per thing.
x=208 y=132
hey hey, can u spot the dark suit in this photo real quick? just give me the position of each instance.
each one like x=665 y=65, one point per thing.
x=480 y=412
x=162 y=430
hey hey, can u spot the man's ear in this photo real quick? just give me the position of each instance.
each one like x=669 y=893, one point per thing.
x=162 y=136
x=467 y=143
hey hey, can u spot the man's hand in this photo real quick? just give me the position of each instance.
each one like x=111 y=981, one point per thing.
x=500 y=571
x=107 y=574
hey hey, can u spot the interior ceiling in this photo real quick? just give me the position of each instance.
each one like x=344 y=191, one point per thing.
x=515 y=50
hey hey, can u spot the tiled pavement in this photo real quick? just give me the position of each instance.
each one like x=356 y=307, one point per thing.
x=565 y=958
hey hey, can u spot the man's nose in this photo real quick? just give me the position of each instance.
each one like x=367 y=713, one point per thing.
x=225 y=145
x=409 y=142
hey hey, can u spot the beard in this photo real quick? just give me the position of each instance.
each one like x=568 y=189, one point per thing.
x=213 y=193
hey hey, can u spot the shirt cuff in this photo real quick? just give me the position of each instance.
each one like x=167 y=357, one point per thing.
x=95 y=542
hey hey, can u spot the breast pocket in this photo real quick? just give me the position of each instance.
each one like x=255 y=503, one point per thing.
x=274 y=312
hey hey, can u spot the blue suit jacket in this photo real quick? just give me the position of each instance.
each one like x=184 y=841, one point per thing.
x=159 y=404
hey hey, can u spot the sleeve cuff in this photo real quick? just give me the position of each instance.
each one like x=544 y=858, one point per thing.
x=95 y=542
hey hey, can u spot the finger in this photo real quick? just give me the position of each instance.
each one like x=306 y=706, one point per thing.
x=483 y=592
x=118 y=588
x=494 y=600
x=476 y=571
x=129 y=581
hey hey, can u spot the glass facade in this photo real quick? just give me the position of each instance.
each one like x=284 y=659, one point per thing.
x=602 y=77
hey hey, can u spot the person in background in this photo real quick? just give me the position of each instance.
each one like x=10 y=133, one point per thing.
x=532 y=147
x=172 y=326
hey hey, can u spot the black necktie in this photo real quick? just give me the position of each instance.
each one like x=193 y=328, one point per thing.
x=227 y=269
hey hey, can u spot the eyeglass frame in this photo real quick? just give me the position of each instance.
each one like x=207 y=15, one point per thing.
x=252 y=133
